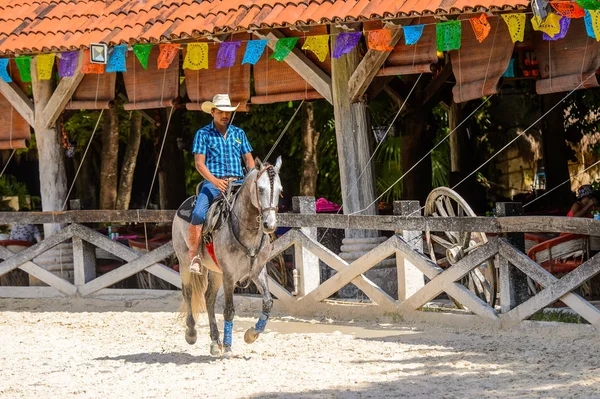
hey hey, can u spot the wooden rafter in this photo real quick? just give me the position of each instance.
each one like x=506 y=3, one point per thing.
x=368 y=68
x=19 y=100
x=304 y=67
x=437 y=83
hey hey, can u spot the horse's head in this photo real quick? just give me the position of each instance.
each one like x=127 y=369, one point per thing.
x=265 y=192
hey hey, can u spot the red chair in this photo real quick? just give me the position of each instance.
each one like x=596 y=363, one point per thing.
x=561 y=254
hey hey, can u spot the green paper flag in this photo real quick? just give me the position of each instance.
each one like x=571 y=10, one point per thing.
x=448 y=35
x=283 y=48
x=142 y=52
x=24 y=65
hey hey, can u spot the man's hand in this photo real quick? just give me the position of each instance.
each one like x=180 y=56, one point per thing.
x=221 y=184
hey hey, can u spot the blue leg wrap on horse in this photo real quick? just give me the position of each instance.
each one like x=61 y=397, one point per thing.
x=261 y=323
x=227 y=333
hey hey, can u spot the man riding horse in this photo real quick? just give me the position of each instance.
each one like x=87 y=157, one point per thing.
x=218 y=149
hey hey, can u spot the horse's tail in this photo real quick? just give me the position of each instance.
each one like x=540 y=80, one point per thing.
x=197 y=284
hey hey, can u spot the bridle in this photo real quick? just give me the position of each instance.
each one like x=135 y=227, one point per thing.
x=271 y=172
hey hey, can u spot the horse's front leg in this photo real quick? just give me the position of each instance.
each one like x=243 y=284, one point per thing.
x=214 y=283
x=228 y=314
x=253 y=332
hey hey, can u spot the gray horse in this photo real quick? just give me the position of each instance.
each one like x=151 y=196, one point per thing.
x=241 y=248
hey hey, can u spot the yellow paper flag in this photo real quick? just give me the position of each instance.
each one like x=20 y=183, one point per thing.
x=196 y=57
x=516 y=26
x=45 y=63
x=319 y=45
x=595 y=14
x=550 y=26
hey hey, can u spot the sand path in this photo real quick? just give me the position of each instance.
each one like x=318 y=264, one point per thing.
x=55 y=349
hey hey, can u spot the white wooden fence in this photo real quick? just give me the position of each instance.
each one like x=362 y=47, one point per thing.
x=411 y=264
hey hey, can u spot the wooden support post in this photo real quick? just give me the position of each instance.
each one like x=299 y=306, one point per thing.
x=306 y=263
x=53 y=179
x=369 y=66
x=410 y=278
x=353 y=142
x=513 y=282
x=303 y=66
x=84 y=261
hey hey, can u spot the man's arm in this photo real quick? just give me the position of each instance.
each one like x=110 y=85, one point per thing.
x=249 y=161
x=203 y=170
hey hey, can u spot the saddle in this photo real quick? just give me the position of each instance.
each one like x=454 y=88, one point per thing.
x=217 y=214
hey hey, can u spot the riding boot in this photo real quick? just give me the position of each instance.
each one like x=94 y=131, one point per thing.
x=195 y=237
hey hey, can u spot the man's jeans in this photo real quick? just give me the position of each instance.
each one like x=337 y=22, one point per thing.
x=207 y=195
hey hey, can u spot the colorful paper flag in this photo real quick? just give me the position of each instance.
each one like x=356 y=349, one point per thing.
x=594 y=23
x=345 y=42
x=24 y=65
x=589 y=4
x=283 y=48
x=448 y=35
x=516 y=26
x=142 y=52
x=196 y=57
x=167 y=54
x=116 y=59
x=412 y=33
x=564 y=28
x=319 y=45
x=45 y=64
x=67 y=64
x=4 y=70
x=380 y=39
x=88 y=67
x=510 y=71
x=254 y=50
x=569 y=10
x=550 y=26
x=227 y=53
x=481 y=27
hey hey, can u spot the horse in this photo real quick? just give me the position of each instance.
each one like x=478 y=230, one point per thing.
x=241 y=248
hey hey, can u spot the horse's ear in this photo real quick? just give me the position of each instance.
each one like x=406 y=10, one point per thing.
x=257 y=163
x=277 y=164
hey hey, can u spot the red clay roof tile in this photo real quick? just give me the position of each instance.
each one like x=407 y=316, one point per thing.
x=35 y=25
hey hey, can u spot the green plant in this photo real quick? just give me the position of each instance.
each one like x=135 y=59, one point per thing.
x=10 y=187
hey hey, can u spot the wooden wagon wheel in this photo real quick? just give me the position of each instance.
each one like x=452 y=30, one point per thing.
x=447 y=248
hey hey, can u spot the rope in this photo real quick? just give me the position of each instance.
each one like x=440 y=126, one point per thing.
x=283 y=132
x=561 y=184
x=424 y=156
x=82 y=159
x=7 y=162
x=162 y=146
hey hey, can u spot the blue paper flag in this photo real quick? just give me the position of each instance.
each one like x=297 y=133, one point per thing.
x=589 y=26
x=4 y=71
x=254 y=50
x=412 y=33
x=116 y=60
x=510 y=71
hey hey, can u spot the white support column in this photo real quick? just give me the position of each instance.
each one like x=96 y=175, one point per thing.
x=84 y=261
x=410 y=278
x=307 y=264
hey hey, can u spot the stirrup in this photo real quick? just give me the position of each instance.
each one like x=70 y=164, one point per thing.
x=196 y=265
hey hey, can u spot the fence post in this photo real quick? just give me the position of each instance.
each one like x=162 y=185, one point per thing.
x=513 y=282
x=410 y=279
x=305 y=262
x=84 y=261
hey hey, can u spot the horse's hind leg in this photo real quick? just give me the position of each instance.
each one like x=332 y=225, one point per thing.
x=214 y=283
x=253 y=332
x=190 y=332
x=228 y=314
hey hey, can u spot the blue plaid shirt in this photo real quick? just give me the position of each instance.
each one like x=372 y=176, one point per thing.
x=223 y=155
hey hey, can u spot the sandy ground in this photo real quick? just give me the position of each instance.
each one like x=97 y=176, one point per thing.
x=54 y=348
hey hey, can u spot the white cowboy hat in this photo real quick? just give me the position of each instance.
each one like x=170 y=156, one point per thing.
x=220 y=102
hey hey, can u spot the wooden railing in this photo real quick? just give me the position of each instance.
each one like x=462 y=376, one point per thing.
x=411 y=263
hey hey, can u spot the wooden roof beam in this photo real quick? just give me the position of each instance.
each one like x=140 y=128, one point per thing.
x=437 y=83
x=303 y=66
x=61 y=96
x=370 y=65
x=19 y=100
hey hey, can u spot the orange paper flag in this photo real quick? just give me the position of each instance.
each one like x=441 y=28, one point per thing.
x=380 y=40
x=481 y=27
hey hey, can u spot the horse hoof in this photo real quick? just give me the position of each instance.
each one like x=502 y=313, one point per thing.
x=215 y=349
x=251 y=335
x=191 y=338
x=228 y=354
